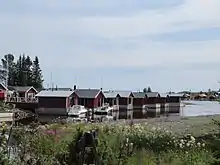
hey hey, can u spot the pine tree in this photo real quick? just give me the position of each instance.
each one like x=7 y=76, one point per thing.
x=23 y=78
x=149 y=89
x=8 y=60
x=22 y=73
x=28 y=63
x=19 y=73
x=37 y=78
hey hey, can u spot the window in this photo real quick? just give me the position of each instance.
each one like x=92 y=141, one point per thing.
x=114 y=102
x=129 y=100
x=100 y=102
x=30 y=95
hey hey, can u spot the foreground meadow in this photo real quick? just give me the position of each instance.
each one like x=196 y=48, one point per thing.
x=116 y=144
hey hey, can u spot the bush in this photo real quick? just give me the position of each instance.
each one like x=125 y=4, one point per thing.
x=117 y=145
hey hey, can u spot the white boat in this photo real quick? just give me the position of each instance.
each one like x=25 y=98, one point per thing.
x=78 y=112
x=104 y=113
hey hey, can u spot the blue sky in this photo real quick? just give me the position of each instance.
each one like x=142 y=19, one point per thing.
x=125 y=44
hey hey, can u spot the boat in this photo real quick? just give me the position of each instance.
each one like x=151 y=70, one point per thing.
x=104 y=113
x=78 y=112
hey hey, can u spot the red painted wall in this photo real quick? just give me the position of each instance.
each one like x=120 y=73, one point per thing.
x=123 y=101
x=138 y=101
x=173 y=99
x=52 y=102
x=151 y=100
x=2 y=95
x=75 y=100
x=89 y=102
x=32 y=91
x=96 y=102
x=68 y=102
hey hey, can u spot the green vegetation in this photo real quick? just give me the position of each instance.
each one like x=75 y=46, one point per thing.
x=23 y=72
x=188 y=103
x=118 y=144
x=4 y=107
x=145 y=90
x=218 y=99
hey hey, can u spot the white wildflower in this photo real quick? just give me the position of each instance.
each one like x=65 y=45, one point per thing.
x=187 y=144
x=154 y=128
x=192 y=139
x=167 y=131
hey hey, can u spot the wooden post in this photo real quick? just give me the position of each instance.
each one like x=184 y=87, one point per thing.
x=87 y=145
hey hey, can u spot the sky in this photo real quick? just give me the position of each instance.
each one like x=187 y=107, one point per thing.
x=170 y=45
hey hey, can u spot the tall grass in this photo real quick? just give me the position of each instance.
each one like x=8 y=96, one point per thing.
x=118 y=144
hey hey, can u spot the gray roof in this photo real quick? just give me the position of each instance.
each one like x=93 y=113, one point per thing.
x=54 y=93
x=139 y=94
x=87 y=93
x=20 y=88
x=152 y=94
x=124 y=93
x=61 y=89
x=113 y=94
x=110 y=94
x=3 y=86
x=176 y=95
x=164 y=94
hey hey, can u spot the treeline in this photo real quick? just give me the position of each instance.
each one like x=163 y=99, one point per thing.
x=145 y=90
x=21 y=72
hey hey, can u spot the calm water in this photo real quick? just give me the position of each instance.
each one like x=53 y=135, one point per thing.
x=201 y=108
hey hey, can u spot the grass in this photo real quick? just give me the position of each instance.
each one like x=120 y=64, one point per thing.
x=218 y=99
x=197 y=126
x=153 y=144
x=188 y=103
x=148 y=142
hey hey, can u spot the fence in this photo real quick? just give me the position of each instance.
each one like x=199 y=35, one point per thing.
x=21 y=100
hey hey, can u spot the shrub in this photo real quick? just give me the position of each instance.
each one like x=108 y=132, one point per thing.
x=118 y=144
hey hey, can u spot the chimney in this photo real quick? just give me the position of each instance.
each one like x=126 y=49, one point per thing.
x=74 y=87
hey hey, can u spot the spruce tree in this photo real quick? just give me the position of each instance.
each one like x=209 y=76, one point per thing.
x=22 y=73
x=28 y=64
x=149 y=89
x=23 y=78
x=19 y=73
x=8 y=60
x=37 y=78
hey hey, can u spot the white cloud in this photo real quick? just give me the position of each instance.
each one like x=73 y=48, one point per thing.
x=38 y=35
x=190 y=15
x=145 y=55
